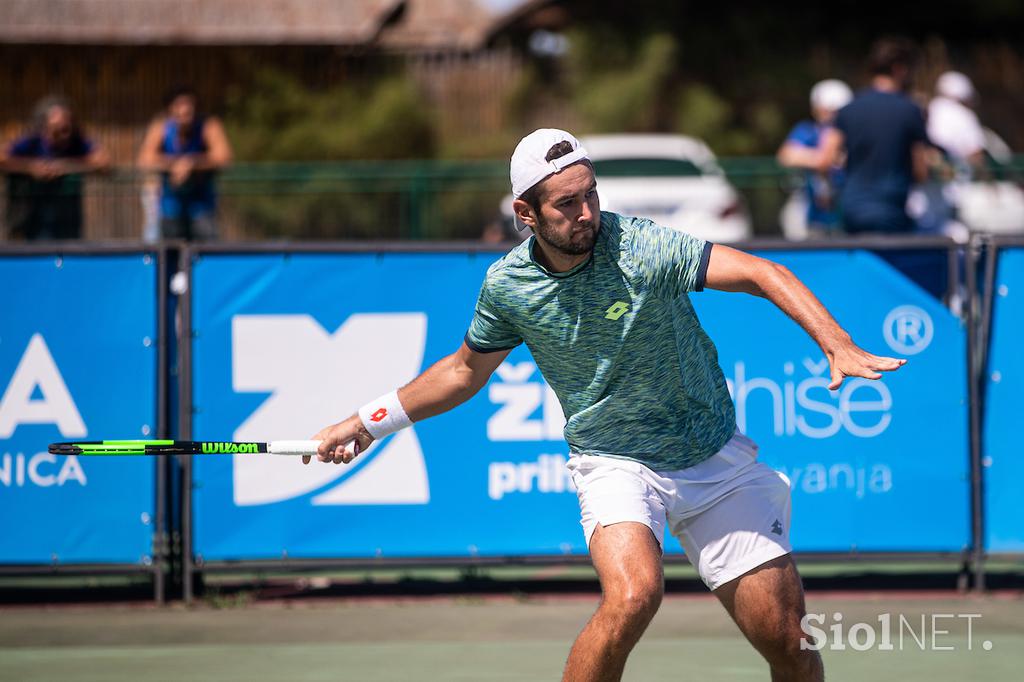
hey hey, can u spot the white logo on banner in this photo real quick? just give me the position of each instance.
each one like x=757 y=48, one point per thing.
x=42 y=469
x=37 y=370
x=519 y=399
x=38 y=374
x=908 y=329
x=805 y=406
x=316 y=379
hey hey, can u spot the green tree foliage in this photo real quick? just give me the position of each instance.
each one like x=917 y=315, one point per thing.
x=621 y=90
x=280 y=119
x=611 y=84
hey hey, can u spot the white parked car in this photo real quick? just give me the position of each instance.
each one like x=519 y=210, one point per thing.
x=995 y=206
x=674 y=180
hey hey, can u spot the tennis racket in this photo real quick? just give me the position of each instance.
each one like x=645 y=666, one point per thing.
x=130 y=448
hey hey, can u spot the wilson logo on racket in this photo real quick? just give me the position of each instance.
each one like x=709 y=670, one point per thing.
x=379 y=415
x=230 y=448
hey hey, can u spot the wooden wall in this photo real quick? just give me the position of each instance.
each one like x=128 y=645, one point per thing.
x=116 y=91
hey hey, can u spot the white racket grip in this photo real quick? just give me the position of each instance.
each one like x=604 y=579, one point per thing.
x=303 y=447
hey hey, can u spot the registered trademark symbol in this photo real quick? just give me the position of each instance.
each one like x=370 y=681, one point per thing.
x=908 y=329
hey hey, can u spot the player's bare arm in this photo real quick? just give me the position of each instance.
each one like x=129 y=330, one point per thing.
x=733 y=270
x=448 y=383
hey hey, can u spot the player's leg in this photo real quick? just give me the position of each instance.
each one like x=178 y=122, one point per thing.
x=623 y=520
x=628 y=561
x=767 y=603
x=734 y=526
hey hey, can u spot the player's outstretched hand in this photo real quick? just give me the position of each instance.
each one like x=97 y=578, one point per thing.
x=342 y=442
x=849 y=360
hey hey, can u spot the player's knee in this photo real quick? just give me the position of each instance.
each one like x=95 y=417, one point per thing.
x=636 y=604
x=783 y=650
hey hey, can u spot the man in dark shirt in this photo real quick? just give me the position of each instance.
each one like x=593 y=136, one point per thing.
x=45 y=171
x=883 y=133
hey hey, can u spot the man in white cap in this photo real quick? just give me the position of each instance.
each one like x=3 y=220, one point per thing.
x=601 y=301
x=953 y=125
x=800 y=150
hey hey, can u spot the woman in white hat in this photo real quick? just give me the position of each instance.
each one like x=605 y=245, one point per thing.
x=800 y=151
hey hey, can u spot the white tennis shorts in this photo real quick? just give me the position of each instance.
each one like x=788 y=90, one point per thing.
x=730 y=512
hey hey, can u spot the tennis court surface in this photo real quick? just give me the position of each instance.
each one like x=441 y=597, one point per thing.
x=490 y=638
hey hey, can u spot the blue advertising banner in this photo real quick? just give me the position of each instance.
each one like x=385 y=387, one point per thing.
x=877 y=465
x=285 y=344
x=1002 y=458
x=77 y=362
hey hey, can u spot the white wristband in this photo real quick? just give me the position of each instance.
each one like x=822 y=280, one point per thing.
x=384 y=416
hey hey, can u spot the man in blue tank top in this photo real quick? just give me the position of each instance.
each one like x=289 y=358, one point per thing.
x=187 y=149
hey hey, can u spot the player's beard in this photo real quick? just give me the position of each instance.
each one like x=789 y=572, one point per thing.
x=578 y=242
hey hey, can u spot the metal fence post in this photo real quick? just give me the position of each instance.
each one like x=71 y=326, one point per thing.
x=160 y=545
x=974 y=377
x=185 y=419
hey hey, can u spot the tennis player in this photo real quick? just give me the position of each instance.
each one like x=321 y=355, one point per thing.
x=601 y=300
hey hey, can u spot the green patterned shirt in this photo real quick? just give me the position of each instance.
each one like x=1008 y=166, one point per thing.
x=618 y=341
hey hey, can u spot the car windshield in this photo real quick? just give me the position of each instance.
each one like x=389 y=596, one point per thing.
x=645 y=168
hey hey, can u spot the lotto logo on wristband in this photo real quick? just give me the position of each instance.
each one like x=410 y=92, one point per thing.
x=384 y=416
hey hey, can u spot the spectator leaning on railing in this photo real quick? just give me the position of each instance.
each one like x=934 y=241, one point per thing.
x=45 y=167
x=187 y=149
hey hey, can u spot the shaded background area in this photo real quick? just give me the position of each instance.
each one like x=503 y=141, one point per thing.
x=333 y=85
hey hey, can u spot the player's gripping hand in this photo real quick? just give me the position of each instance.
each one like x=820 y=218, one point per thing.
x=849 y=360
x=342 y=442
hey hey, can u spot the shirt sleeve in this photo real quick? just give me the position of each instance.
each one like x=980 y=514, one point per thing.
x=974 y=136
x=23 y=148
x=917 y=126
x=804 y=135
x=841 y=121
x=84 y=147
x=489 y=332
x=671 y=262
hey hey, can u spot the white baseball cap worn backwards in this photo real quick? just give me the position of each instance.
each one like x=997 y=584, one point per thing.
x=528 y=165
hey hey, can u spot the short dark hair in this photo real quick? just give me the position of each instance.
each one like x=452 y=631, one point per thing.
x=180 y=91
x=888 y=53
x=557 y=151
